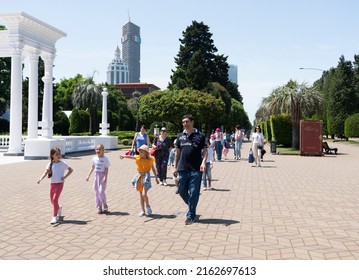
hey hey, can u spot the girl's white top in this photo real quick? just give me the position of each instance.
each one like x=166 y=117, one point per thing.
x=58 y=171
x=100 y=163
x=209 y=154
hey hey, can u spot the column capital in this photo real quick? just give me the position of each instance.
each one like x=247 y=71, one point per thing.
x=33 y=55
x=16 y=48
x=48 y=57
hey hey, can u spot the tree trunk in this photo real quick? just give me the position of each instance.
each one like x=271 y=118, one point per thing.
x=93 y=121
x=295 y=128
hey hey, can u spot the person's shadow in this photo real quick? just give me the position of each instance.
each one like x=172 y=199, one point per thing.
x=116 y=213
x=213 y=221
x=217 y=190
x=62 y=221
x=159 y=217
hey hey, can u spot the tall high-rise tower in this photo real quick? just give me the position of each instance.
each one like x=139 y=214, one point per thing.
x=131 y=50
x=233 y=73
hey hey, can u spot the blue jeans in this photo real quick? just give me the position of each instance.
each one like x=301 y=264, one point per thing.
x=237 y=148
x=189 y=186
x=207 y=175
x=218 y=149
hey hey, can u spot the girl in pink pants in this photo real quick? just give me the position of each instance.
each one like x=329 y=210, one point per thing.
x=55 y=170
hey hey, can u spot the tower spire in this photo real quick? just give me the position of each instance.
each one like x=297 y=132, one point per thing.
x=129 y=18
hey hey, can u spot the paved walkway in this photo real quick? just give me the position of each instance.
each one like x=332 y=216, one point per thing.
x=291 y=208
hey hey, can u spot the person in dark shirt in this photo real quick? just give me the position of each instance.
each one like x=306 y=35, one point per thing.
x=189 y=163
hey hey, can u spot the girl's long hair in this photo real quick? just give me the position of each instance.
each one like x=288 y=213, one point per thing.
x=52 y=152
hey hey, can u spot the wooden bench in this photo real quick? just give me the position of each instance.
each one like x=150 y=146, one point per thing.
x=329 y=150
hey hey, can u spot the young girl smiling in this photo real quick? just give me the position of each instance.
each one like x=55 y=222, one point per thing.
x=142 y=180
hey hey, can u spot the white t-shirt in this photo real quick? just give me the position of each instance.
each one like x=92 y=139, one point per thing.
x=100 y=163
x=210 y=154
x=58 y=171
x=258 y=138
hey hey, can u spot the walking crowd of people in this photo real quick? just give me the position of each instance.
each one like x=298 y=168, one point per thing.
x=189 y=158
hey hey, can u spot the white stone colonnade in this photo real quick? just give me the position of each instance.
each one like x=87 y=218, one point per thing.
x=28 y=37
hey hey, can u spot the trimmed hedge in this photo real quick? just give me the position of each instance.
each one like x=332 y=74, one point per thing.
x=266 y=130
x=79 y=121
x=4 y=126
x=61 y=123
x=351 y=126
x=281 y=128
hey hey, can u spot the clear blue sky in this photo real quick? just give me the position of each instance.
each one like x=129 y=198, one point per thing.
x=268 y=40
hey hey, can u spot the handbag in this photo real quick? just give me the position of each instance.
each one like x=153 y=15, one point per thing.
x=128 y=153
x=153 y=152
x=250 y=157
x=260 y=147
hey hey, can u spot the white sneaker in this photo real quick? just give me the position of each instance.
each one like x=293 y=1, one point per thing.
x=54 y=220
x=164 y=183
x=141 y=214
x=59 y=212
x=149 y=211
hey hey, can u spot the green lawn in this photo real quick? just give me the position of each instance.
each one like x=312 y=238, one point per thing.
x=287 y=151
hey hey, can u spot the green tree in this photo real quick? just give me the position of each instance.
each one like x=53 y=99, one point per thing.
x=5 y=79
x=61 y=123
x=351 y=126
x=198 y=65
x=342 y=100
x=296 y=100
x=87 y=96
x=76 y=125
x=237 y=115
x=170 y=106
x=63 y=91
x=117 y=104
x=197 y=41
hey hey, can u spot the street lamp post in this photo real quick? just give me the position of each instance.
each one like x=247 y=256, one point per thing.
x=324 y=72
x=317 y=69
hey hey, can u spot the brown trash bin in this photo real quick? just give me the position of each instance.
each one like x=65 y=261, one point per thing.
x=311 y=138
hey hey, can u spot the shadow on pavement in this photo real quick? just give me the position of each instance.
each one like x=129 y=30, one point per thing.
x=159 y=216
x=218 y=222
x=264 y=166
x=117 y=213
x=218 y=190
x=74 y=222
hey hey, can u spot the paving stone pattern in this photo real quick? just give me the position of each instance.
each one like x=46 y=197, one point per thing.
x=292 y=207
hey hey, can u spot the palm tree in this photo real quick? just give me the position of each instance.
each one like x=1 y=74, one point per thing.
x=297 y=100
x=134 y=106
x=87 y=96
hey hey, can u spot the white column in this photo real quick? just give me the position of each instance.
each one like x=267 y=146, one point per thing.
x=104 y=125
x=47 y=109
x=46 y=127
x=16 y=102
x=32 y=128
